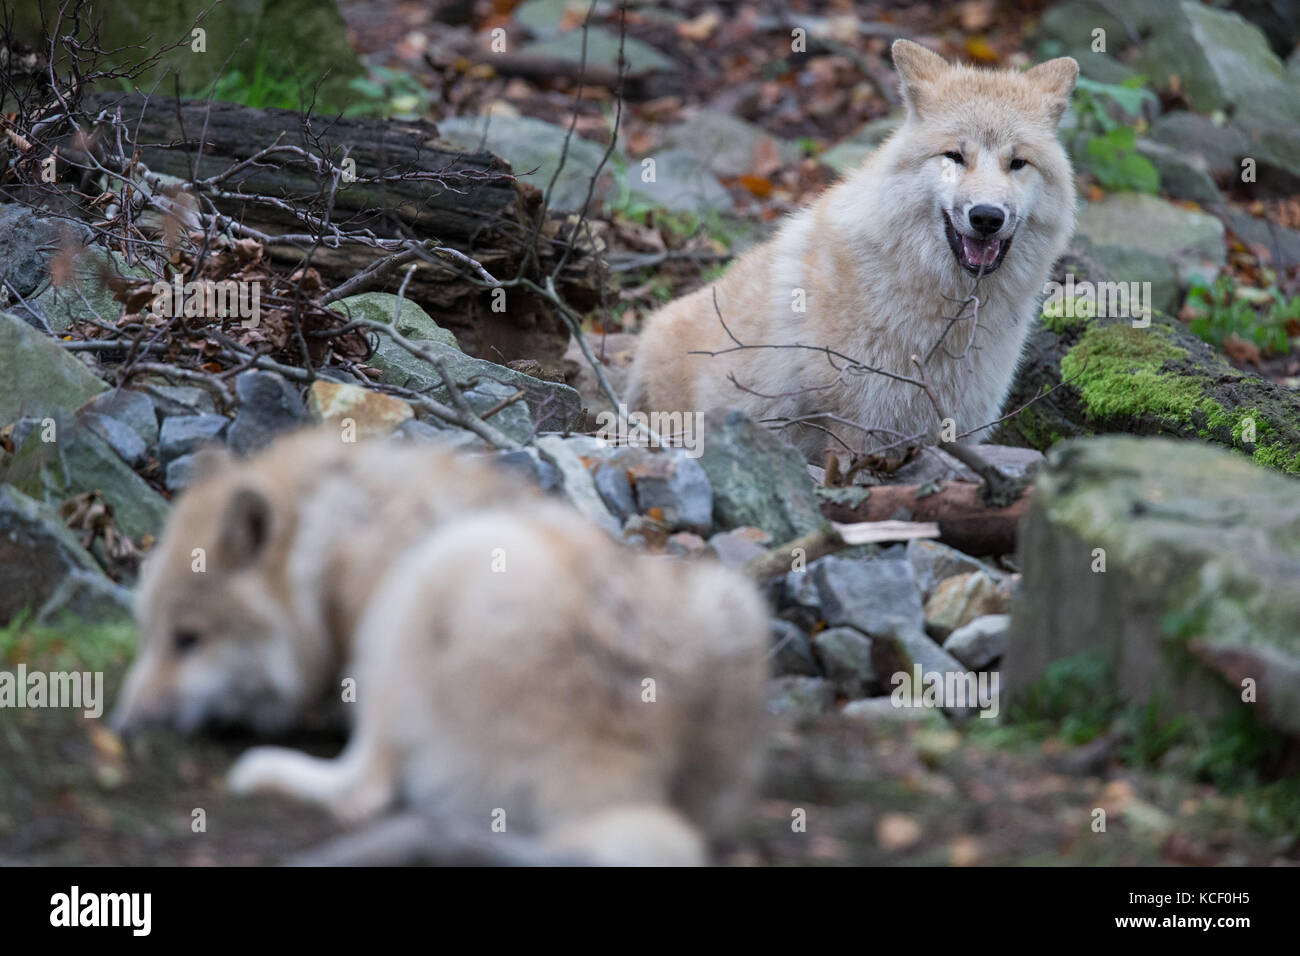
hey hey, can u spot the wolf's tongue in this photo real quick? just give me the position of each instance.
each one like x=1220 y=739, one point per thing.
x=980 y=252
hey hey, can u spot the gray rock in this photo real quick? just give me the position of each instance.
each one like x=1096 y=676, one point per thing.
x=739 y=546
x=726 y=144
x=800 y=698
x=800 y=589
x=873 y=595
x=414 y=430
x=981 y=642
x=84 y=296
x=1136 y=220
x=1220 y=59
x=183 y=434
x=758 y=480
x=897 y=656
x=933 y=562
x=39 y=378
x=44 y=569
x=851 y=153
x=181 y=400
x=1220 y=147
x=27 y=244
x=129 y=446
x=615 y=490
x=602 y=49
x=533 y=148
x=1182 y=175
x=1270 y=121
x=1282 y=243
x=1131 y=263
x=845 y=656
x=412 y=321
x=883 y=710
x=133 y=409
x=792 y=651
x=547 y=406
x=80 y=461
x=528 y=464
x=579 y=488
x=180 y=472
x=673 y=483
x=268 y=406
x=1199 y=593
x=681 y=183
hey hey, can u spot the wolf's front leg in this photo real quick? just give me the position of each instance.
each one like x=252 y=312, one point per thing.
x=354 y=786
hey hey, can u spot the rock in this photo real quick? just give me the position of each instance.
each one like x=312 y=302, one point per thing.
x=84 y=295
x=1221 y=60
x=134 y=409
x=27 y=244
x=1282 y=244
x=372 y=414
x=758 y=480
x=800 y=698
x=851 y=153
x=78 y=461
x=1189 y=134
x=129 y=446
x=1270 y=121
x=1202 y=556
x=670 y=487
x=874 y=595
x=548 y=17
x=615 y=490
x=1182 y=175
x=845 y=656
x=412 y=321
x=896 y=657
x=602 y=49
x=45 y=570
x=528 y=464
x=792 y=650
x=960 y=600
x=450 y=437
x=938 y=465
x=1133 y=264
x=183 y=434
x=681 y=183
x=739 y=546
x=883 y=710
x=533 y=148
x=40 y=379
x=1150 y=224
x=686 y=544
x=548 y=406
x=181 y=400
x=933 y=562
x=981 y=642
x=726 y=144
x=268 y=406
x=565 y=455
x=180 y=472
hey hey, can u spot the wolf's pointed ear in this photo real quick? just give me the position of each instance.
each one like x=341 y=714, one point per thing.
x=245 y=528
x=917 y=68
x=1056 y=78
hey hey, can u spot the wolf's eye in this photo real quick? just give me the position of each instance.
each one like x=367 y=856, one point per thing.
x=956 y=158
x=1019 y=164
x=185 y=641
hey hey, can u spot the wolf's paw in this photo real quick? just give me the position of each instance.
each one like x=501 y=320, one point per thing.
x=260 y=770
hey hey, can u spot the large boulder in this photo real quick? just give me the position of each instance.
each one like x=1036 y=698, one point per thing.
x=1178 y=564
x=38 y=377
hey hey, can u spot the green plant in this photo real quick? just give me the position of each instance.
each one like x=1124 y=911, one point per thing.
x=1259 y=316
x=1110 y=147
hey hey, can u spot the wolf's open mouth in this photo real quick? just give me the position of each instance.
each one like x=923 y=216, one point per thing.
x=977 y=256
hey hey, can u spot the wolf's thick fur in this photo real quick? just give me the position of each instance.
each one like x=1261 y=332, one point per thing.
x=878 y=271
x=500 y=646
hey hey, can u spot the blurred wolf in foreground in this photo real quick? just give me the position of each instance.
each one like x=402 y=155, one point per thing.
x=508 y=657
x=974 y=183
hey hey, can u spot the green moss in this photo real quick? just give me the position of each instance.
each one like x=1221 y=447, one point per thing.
x=1059 y=316
x=1117 y=371
x=1279 y=457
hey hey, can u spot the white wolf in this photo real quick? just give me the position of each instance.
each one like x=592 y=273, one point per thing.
x=512 y=663
x=973 y=183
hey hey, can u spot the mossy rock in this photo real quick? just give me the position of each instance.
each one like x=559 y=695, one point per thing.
x=1157 y=380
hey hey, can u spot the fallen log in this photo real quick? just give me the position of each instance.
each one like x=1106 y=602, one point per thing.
x=467 y=201
x=965 y=521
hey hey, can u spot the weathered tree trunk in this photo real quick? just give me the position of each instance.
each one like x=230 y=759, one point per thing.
x=480 y=211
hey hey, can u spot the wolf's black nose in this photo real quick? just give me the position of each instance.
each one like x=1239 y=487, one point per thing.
x=986 y=220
